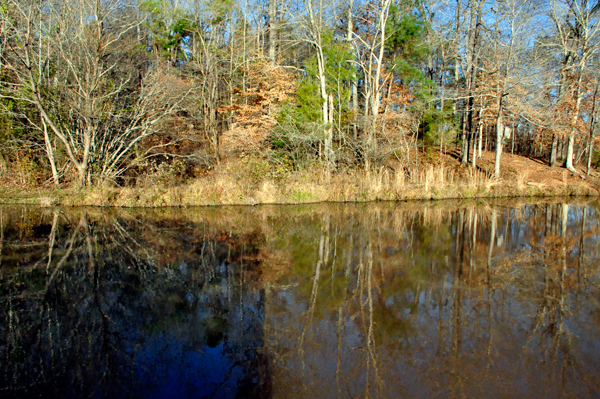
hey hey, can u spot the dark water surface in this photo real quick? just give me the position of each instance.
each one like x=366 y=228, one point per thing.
x=320 y=301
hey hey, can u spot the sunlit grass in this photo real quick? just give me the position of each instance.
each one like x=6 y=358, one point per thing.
x=251 y=182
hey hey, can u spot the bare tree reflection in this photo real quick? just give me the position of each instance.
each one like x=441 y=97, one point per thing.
x=380 y=300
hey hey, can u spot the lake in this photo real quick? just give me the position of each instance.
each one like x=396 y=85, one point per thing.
x=383 y=300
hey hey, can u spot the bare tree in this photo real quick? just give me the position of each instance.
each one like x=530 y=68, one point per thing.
x=471 y=67
x=310 y=16
x=371 y=63
x=512 y=65
x=577 y=27
x=74 y=62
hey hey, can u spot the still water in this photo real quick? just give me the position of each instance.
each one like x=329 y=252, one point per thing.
x=421 y=300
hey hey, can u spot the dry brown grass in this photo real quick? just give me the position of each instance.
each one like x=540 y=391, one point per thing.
x=521 y=179
x=309 y=186
x=47 y=201
x=254 y=181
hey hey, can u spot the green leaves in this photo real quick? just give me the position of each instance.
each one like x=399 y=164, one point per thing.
x=405 y=44
x=169 y=28
x=339 y=72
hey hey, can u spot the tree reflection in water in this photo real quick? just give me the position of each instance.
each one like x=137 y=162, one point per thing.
x=378 y=300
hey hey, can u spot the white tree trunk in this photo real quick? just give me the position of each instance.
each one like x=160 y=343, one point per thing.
x=499 y=137
x=272 y=29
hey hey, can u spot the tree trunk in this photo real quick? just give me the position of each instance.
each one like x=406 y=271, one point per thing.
x=499 y=138
x=50 y=154
x=554 y=150
x=480 y=143
x=471 y=73
x=465 y=143
x=373 y=76
x=592 y=122
x=512 y=140
x=570 y=152
x=456 y=63
x=329 y=135
x=354 y=82
x=272 y=30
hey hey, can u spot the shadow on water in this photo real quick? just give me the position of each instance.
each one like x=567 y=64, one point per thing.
x=373 y=300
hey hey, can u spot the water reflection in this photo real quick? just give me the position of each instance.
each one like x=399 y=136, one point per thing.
x=378 y=300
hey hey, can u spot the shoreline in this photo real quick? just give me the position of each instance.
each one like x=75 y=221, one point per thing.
x=190 y=195
x=254 y=182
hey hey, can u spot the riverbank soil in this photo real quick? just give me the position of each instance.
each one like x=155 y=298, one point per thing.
x=534 y=172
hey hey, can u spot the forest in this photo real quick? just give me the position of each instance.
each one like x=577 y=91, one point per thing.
x=124 y=92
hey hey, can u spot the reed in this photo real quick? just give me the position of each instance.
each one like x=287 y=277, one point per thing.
x=254 y=182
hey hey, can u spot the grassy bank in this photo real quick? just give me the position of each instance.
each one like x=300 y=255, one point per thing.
x=251 y=182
